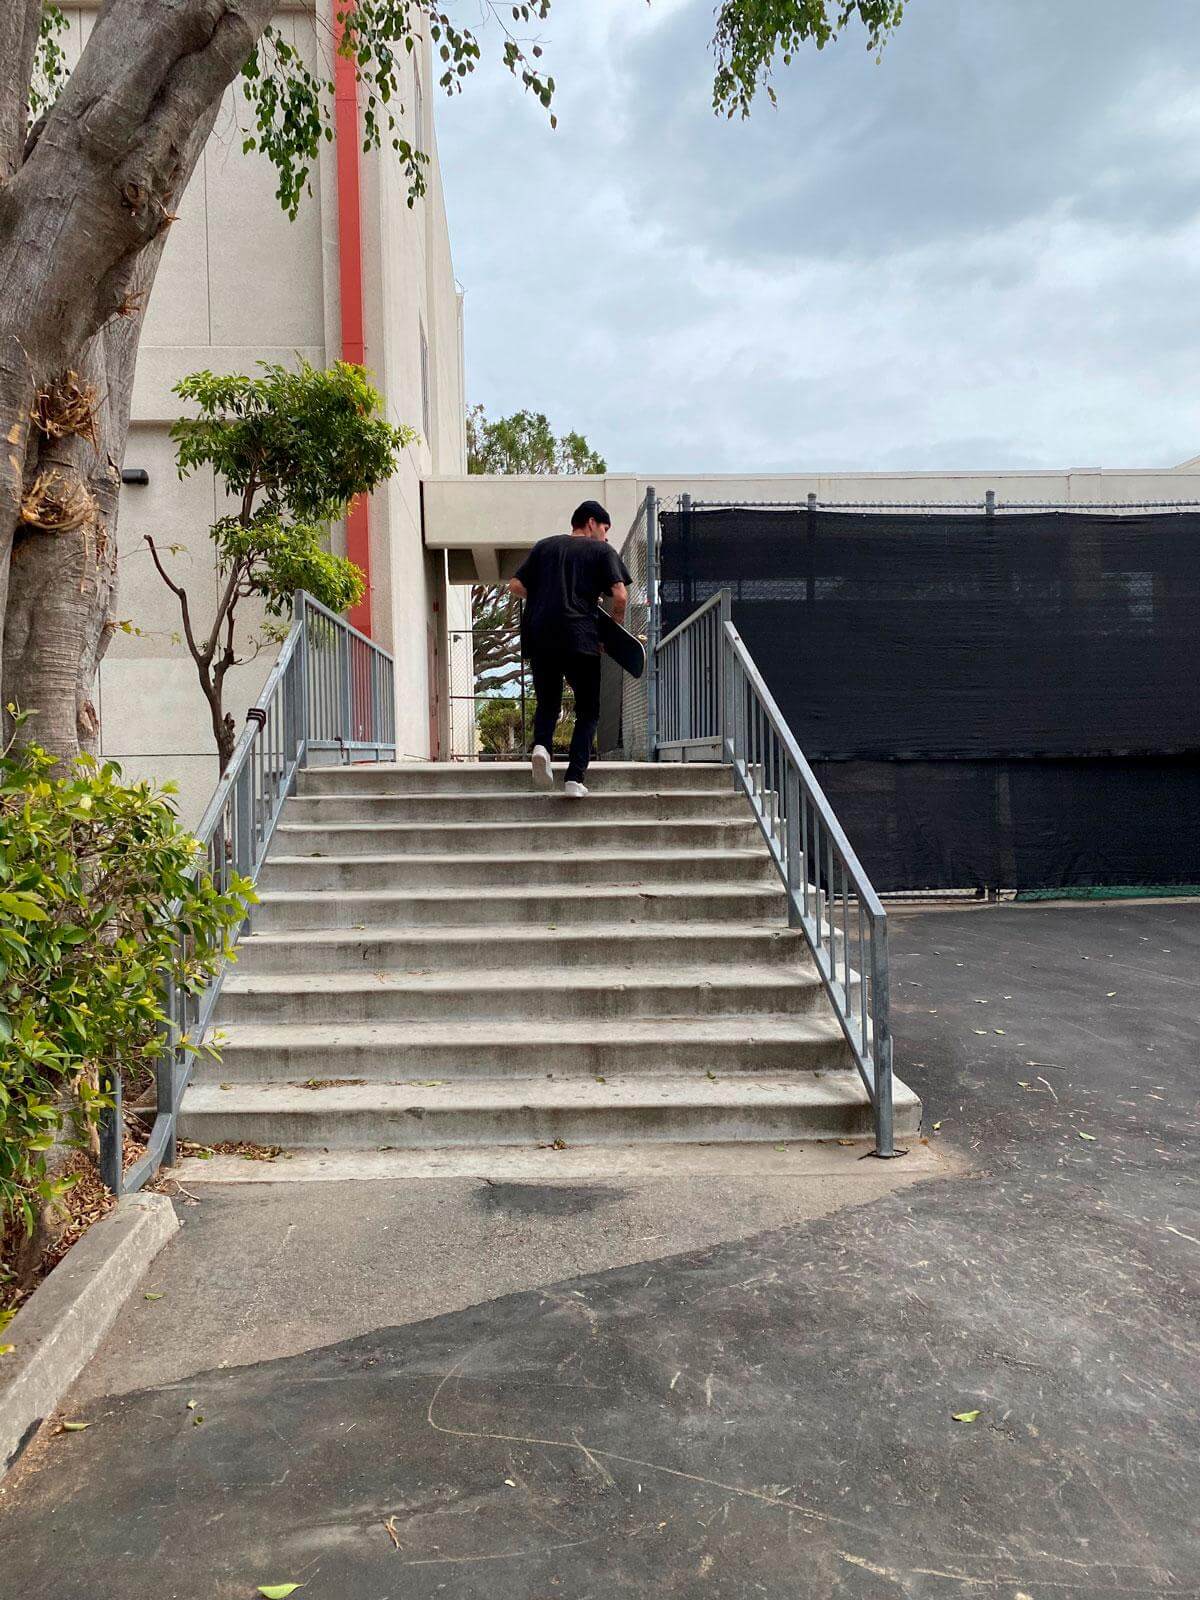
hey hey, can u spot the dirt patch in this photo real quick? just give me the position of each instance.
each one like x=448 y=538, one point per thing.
x=83 y=1204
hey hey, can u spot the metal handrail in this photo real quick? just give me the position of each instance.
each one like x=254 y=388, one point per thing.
x=331 y=689
x=713 y=699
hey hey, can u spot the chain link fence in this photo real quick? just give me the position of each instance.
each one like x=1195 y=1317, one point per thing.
x=625 y=703
x=491 y=698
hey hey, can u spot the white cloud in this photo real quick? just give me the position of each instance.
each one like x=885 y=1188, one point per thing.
x=982 y=253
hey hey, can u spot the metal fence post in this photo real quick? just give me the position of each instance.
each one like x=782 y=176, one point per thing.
x=881 y=1042
x=345 y=731
x=243 y=820
x=302 y=667
x=112 y=1140
x=653 y=624
x=792 y=843
x=164 y=1071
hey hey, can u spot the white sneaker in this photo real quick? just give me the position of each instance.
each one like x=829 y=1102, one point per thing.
x=543 y=771
x=574 y=791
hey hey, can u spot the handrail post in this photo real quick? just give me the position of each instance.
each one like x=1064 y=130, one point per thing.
x=724 y=616
x=112 y=1139
x=793 y=844
x=243 y=821
x=164 y=1071
x=881 y=1042
x=302 y=667
x=653 y=623
x=345 y=730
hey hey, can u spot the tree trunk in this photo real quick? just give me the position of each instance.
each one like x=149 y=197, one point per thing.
x=83 y=220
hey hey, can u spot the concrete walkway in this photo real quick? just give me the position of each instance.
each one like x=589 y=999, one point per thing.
x=697 y=1383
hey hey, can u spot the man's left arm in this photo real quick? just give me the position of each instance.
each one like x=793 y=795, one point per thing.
x=620 y=585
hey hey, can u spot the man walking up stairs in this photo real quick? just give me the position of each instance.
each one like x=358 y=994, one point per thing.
x=561 y=581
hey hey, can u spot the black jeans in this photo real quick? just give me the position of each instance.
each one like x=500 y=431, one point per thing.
x=583 y=674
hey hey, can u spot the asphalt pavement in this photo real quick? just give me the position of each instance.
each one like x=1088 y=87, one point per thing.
x=984 y=1383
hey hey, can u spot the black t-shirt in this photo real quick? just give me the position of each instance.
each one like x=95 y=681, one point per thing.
x=565 y=577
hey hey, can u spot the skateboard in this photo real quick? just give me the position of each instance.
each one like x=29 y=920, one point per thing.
x=626 y=650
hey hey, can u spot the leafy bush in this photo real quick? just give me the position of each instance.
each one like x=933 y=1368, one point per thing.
x=89 y=865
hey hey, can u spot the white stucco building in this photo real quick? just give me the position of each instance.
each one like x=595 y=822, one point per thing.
x=238 y=284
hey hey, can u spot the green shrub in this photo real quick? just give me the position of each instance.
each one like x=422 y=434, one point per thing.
x=89 y=865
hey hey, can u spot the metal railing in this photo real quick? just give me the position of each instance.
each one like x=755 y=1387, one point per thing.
x=331 y=689
x=713 y=703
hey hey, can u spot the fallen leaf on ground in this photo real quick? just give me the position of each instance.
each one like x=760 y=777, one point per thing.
x=390 y=1527
x=152 y=1297
x=936 y=1126
x=965 y=1416
x=1111 y=995
x=191 y=1405
x=1090 y=1137
x=278 y=1591
x=7 y=1349
x=981 y=1030
x=1000 y=1031
x=74 y=1427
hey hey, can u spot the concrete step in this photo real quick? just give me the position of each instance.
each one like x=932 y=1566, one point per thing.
x=490 y=907
x=422 y=777
x=522 y=1111
x=491 y=807
x=805 y=1161
x=576 y=831
x=598 y=993
x=651 y=946
x=283 y=873
x=395 y=1052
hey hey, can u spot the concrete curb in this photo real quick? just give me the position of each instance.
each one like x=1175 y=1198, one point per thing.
x=60 y=1327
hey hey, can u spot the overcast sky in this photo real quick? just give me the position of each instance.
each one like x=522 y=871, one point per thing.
x=983 y=252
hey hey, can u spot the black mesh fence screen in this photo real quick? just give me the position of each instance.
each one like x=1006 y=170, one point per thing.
x=1007 y=700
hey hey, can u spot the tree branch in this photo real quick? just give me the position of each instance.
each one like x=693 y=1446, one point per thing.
x=20 y=21
x=181 y=595
x=224 y=609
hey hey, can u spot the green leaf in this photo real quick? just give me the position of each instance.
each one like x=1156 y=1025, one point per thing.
x=1090 y=1137
x=278 y=1591
x=7 y=1349
x=152 y=1297
x=966 y=1416
x=75 y=1427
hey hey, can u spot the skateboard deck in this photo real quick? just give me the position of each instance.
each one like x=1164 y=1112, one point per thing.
x=627 y=651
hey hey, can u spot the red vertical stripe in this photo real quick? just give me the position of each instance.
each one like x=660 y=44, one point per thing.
x=348 y=144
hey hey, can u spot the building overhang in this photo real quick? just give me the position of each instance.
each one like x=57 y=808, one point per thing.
x=487 y=524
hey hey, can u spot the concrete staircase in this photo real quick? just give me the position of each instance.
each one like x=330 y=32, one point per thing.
x=442 y=956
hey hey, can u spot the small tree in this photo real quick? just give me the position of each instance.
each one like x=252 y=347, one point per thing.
x=294 y=448
x=525 y=442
